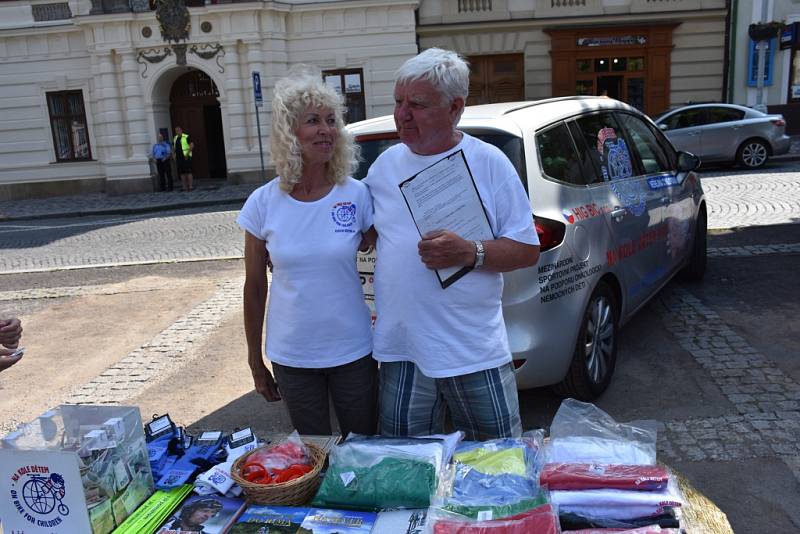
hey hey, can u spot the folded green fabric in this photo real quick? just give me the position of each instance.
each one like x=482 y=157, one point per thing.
x=391 y=483
x=500 y=510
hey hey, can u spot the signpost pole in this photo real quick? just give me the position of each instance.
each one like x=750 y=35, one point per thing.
x=259 y=102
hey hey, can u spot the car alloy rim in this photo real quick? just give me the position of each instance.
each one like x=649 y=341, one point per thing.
x=599 y=339
x=754 y=154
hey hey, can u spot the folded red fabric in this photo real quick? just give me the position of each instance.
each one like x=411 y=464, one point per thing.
x=540 y=520
x=604 y=476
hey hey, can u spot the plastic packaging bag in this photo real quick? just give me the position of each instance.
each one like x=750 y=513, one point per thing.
x=278 y=463
x=540 y=520
x=583 y=433
x=382 y=473
x=617 y=504
x=497 y=477
x=652 y=529
x=598 y=476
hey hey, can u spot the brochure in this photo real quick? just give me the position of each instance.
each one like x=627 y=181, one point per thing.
x=260 y=519
x=324 y=521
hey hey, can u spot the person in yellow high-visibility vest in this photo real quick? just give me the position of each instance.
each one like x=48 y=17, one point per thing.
x=183 y=147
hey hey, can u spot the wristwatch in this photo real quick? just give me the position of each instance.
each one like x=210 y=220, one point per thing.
x=480 y=254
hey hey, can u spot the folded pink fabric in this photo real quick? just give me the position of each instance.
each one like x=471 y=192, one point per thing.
x=567 y=476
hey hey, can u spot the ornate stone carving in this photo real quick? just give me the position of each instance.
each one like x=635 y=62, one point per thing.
x=180 y=53
x=173 y=16
x=208 y=51
x=147 y=32
x=206 y=27
x=152 y=55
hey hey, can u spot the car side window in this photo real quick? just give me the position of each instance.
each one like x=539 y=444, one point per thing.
x=716 y=115
x=558 y=156
x=686 y=119
x=607 y=146
x=652 y=156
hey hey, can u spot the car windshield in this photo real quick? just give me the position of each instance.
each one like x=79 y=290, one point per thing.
x=511 y=145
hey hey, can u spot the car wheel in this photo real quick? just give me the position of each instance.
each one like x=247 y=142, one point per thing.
x=753 y=154
x=696 y=268
x=596 y=349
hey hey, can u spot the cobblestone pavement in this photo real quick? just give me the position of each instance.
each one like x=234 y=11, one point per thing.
x=769 y=196
x=119 y=240
x=170 y=350
x=767 y=418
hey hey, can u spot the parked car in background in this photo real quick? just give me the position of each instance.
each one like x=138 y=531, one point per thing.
x=618 y=211
x=726 y=133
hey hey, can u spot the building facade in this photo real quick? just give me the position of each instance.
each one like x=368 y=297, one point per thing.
x=780 y=92
x=87 y=85
x=653 y=54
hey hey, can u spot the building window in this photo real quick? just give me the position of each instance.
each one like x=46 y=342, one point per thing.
x=68 y=123
x=794 y=77
x=350 y=84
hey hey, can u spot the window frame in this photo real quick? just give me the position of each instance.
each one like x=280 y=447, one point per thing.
x=362 y=95
x=69 y=117
x=575 y=149
x=639 y=163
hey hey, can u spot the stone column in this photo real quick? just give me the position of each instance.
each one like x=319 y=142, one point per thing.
x=110 y=121
x=139 y=139
x=236 y=105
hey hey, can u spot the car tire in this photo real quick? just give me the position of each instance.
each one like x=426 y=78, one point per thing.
x=695 y=269
x=752 y=154
x=595 y=354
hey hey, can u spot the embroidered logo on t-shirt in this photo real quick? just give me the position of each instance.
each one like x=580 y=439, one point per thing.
x=344 y=215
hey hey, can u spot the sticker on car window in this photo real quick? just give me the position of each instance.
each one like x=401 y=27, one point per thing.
x=616 y=165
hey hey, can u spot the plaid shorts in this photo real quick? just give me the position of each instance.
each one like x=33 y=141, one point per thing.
x=483 y=404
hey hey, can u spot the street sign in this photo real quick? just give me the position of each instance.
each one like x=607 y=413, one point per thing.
x=257 y=89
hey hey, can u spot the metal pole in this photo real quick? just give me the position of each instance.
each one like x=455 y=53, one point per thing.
x=762 y=62
x=260 y=145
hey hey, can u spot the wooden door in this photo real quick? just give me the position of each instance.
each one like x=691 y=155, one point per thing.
x=192 y=94
x=498 y=78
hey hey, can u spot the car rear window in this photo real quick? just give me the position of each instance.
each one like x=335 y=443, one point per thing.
x=373 y=145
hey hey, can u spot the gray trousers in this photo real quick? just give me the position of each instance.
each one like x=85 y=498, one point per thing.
x=353 y=389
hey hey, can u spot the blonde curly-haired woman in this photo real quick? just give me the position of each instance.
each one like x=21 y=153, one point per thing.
x=308 y=222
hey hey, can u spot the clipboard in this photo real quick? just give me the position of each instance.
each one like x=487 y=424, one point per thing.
x=443 y=196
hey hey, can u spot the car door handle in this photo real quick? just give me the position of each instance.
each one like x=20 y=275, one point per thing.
x=666 y=200
x=618 y=213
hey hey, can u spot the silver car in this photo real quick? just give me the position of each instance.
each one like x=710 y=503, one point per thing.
x=726 y=133
x=618 y=211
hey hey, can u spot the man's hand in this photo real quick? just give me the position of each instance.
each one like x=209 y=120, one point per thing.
x=10 y=332
x=441 y=249
x=265 y=384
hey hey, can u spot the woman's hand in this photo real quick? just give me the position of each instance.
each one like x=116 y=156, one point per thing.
x=265 y=384
x=6 y=360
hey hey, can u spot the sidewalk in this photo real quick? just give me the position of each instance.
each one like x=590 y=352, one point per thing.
x=206 y=193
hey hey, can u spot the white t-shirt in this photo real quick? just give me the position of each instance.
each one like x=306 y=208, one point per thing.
x=453 y=331
x=316 y=316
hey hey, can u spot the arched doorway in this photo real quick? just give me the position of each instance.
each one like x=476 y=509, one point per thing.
x=194 y=106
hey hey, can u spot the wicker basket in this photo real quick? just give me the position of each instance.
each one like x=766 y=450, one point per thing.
x=292 y=493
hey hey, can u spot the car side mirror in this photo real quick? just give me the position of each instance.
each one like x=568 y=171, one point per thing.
x=687 y=161
x=663 y=127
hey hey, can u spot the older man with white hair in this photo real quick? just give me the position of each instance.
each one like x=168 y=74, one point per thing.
x=445 y=349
